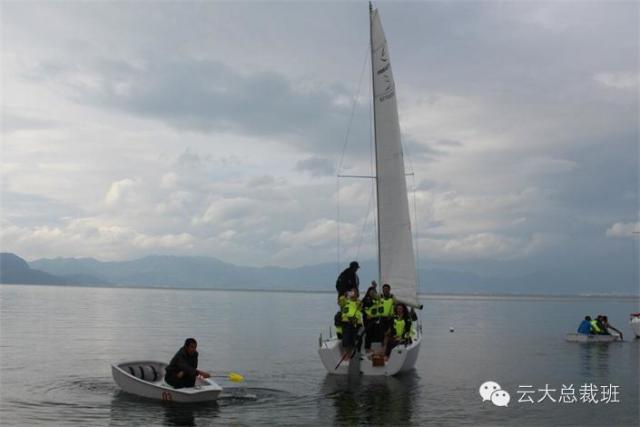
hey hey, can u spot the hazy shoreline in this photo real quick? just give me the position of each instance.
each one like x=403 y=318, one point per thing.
x=426 y=295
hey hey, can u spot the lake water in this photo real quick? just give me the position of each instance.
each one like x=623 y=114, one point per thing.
x=57 y=344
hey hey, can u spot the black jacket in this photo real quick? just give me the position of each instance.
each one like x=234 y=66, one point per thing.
x=347 y=280
x=183 y=362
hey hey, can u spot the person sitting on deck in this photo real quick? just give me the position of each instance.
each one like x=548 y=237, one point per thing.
x=387 y=301
x=183 y=368
x=351 y=321
x=400 y=333
x=596 y=326
x=585 y=326
x=372 y=309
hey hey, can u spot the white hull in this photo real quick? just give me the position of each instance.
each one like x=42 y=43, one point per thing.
x=146 y=378
x=635 y=325
x=592 y=338
x=402 y=359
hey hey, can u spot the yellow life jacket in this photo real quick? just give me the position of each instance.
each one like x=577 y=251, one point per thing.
x=596 y=328
x=342 y=301
x=387 y=306
x=374 y=310
x=399 y=328
x=351 y=312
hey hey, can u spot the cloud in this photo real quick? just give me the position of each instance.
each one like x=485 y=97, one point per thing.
x=143 y=136
x=317 y=233
x=624 y=229
x=230 y=211
x=15 y=122
x=316 y=166
x=121 y=192
x=623 y=80
x=488 y=245
x=545 y=166
x=192 y=94
x=94 y=235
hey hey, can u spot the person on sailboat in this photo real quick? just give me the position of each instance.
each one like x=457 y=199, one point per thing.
x=371 y=309
x=351 y=321
x=387 y=301
x=400 y=333
x=337 y=322
x=183 y=368
x=348 y=279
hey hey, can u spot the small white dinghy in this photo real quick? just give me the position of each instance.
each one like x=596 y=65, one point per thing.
x=146 y=378
x=592 y=338
x=634 y=321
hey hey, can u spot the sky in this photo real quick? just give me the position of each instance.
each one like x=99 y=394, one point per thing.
x=218 y=128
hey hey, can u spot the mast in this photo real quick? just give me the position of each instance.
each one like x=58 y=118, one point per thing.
x=375 y=143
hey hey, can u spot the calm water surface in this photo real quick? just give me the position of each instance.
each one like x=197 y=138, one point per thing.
x=57 y=344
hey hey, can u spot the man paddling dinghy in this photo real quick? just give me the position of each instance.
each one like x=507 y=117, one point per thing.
x=183 y=370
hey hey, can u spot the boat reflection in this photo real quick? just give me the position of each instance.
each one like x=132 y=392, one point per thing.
x=358 y=399
x=595 y=360
x=127 y=409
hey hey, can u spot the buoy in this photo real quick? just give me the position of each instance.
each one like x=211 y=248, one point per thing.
x=451 y=329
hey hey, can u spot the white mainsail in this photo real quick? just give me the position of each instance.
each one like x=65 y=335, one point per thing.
x=395 y=244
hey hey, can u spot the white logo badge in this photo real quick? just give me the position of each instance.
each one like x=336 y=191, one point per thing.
x=491 y=390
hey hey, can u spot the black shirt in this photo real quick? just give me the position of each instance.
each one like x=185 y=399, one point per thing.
x=183 y=362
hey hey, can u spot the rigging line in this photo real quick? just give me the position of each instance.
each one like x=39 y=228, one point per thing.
x=417 y=235
x=353 y=109
x=338 y=224
x=364 y=224
x=341 y=160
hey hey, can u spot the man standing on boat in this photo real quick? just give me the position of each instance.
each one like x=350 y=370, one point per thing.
x=348 y=279
x=183 y=368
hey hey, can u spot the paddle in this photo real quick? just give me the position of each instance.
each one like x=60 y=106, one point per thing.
x=232 y=376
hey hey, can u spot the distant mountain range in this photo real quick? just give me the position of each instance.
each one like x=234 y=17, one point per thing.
x=211 y=273
x=14 y=269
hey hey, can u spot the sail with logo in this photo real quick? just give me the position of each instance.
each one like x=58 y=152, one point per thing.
x=396 y=259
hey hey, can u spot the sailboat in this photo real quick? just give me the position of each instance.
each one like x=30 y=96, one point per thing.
x=396 y=261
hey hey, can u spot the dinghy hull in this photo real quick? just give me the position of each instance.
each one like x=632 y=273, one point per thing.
x=146 y=379
x=592 y=338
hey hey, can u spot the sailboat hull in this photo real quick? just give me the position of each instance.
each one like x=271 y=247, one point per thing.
x=635 y=324
x=402 y=359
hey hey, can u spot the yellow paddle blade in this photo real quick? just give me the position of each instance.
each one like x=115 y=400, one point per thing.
x=236 y=377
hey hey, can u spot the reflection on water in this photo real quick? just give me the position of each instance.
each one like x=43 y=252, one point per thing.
x=595 y=359
x=185 y=414
x=372 y=400
x=127 y=410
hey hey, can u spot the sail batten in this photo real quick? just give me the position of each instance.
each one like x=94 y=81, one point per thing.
x=395 y=245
